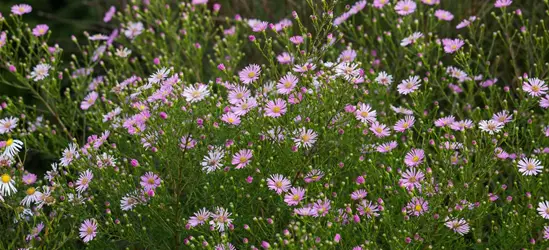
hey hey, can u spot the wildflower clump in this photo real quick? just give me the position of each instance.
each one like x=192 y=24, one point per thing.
x=363 y=125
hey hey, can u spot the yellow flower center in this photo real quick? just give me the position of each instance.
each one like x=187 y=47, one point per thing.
x=243 y=159
x=418 y=208
x=9 y=142
x=30 y=191
x=251 y=74
x=364 y=113
x=276 y=109
x=278 y=184
x=415 y=159
x=530 y=166
x=150 y=181
x=295 y=197
x=5 y=178
x=535 y=88
x=288 y=84
x=231 y=120
x=305 y=137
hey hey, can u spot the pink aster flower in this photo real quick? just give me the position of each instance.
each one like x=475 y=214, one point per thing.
x=348 y=55
x=544 y=102
x=529 y=166
x=35 y=232
x=386 y=147
x=250 y=74
x=244 y=106
x=417 y=206
x=199 y=218
x=109 y=14
x=380 y=130
x=404 y=124
x=444 y=15
x=543 y=209
x=238 y=94
x=503 y=117
x=411 y=179
x=411 y=39
x=313 y=176
x=502 y=3
x=414 y=157
x=459 y=226
x=150 y=181
x=296 y=39
x=365 y=113
x=89 y=100
x=322 y=207
x=302 y=68
x=275 y=108
x=285 y=58
x=305 y=137
x=284 y=23
x=461 y=125
x=8 y=124
x=21 y=9
x=359 y=194
x=430 y=2
x=88 y=230
x=295 y=196
x=199 y=2
x=286 y=84
x=464 y=23
x=380 y=3
x=29 y=179
x=84 y=180
x=187 y=142
x=258 y=26
x=242 y=158
x=405 y=7
x=3 y=38
x=445 y=121
x=409 y=85
x=490 y=126
x=278 y=183
x=452 y=45
x=230 y=118
x=368 y=208
x=535 y=87
x=40 y=30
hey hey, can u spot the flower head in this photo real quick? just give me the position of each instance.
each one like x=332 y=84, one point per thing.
x=21 y=9
x=250 y=74
x=529 y=166
x=88 y=230
x=405 y=7
x=40 y=30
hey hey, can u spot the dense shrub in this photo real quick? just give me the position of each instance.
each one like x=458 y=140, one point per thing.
x=376 y=125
